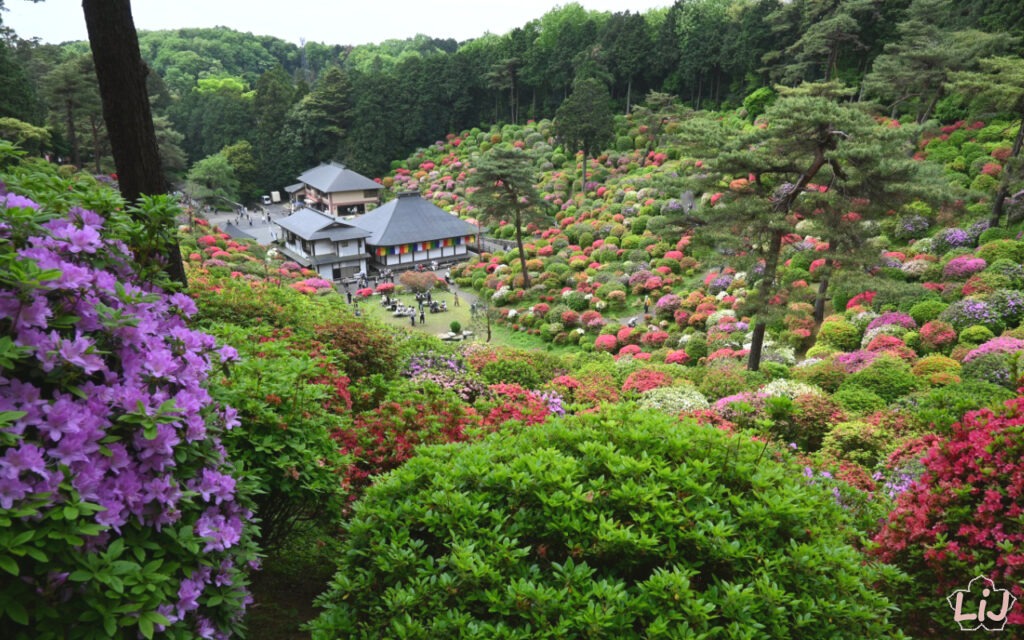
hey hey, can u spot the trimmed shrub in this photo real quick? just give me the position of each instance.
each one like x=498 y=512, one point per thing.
x=858 y=400
x=857 y=441
x=926 y=311
x=887 y=376
x=539 y=535
x=840 y=334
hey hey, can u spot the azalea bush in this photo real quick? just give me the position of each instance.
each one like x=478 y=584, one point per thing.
x=120 y=515
x=290 y=396
x=961 y=518
x=575 y=525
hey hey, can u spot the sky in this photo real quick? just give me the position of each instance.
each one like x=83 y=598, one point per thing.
x=327 y=21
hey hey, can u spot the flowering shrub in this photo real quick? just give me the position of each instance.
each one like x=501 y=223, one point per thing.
x=606 y=342
x=962 y=267
x=678 y=356
x=513 y=402
x=893 y=318
x=887 y=376
x=964 y=313
x=447 y=372
x=854 y=361
x=962 y=517
x=937 y=337
x=385 y=437
x=121 y=513
x=674 y=400
x=565 y=533
x=789 y=388
x=644 y=380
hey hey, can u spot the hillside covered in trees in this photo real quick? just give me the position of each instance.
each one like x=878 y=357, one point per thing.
x=273 y=109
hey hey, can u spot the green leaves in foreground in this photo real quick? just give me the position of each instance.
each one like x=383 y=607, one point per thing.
x=611 y=525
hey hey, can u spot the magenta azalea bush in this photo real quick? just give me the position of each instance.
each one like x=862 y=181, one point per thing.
x=119 y=514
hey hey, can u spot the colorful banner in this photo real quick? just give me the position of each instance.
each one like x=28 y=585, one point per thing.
x=382 y=251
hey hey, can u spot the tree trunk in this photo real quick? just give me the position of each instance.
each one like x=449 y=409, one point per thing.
x=1004 y=180
x=121 y=74
x=771 y=264
x=522 y=252
x=756 y=345
x=96 y=147
x=629 y=93
x=821 y=298
x=583 y=186
x=923 y=116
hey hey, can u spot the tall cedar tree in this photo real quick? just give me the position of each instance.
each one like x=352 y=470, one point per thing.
x=585 y=120
x=502 y=184
x=817 y=158
x=998 y=87
x=122 y=78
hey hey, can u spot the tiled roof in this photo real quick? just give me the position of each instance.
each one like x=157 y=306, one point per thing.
x=334 y=177
x=409 y=218
x=310 y=224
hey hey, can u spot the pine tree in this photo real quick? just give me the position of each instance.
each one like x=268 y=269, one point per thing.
x=502 y=183
x=819 y=159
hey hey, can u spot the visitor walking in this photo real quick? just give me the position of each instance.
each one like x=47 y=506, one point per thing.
x=647 y=304
x=412 y=319
x=456 y=297
x=423 y=317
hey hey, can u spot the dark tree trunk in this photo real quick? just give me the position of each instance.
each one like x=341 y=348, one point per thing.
x=522 y=252
x=629 y=93
x=821 y=298
x=96 y=147
x=756 y=345
x=1004 y=181
x=122 y=81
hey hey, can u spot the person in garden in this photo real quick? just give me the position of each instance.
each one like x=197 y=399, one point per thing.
x=647 y=304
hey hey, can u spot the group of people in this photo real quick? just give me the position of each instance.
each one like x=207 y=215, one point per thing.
x=243 y=213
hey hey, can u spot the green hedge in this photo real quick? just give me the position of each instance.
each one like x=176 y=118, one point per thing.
x=620 y=524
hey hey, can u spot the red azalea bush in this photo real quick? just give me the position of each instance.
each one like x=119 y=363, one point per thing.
x=654 y=339
x=606 y=342
x=645 y=380
x=677 y=357
x=384 y=438
x=963 y=517
x=937 y=337
x=513 y=402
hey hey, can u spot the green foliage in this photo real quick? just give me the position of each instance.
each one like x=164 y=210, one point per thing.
x=857 y=441
x=975 y=335
x=289 y=403
x=936 y=410
x=1001 y=250
x=574 y=525
x=839 y=333
x=926 y=311
x=756 y=103
x=510 y=371
x=858 y=400
x=888 y=377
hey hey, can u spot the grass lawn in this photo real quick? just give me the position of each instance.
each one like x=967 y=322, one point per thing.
x=435 y=323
